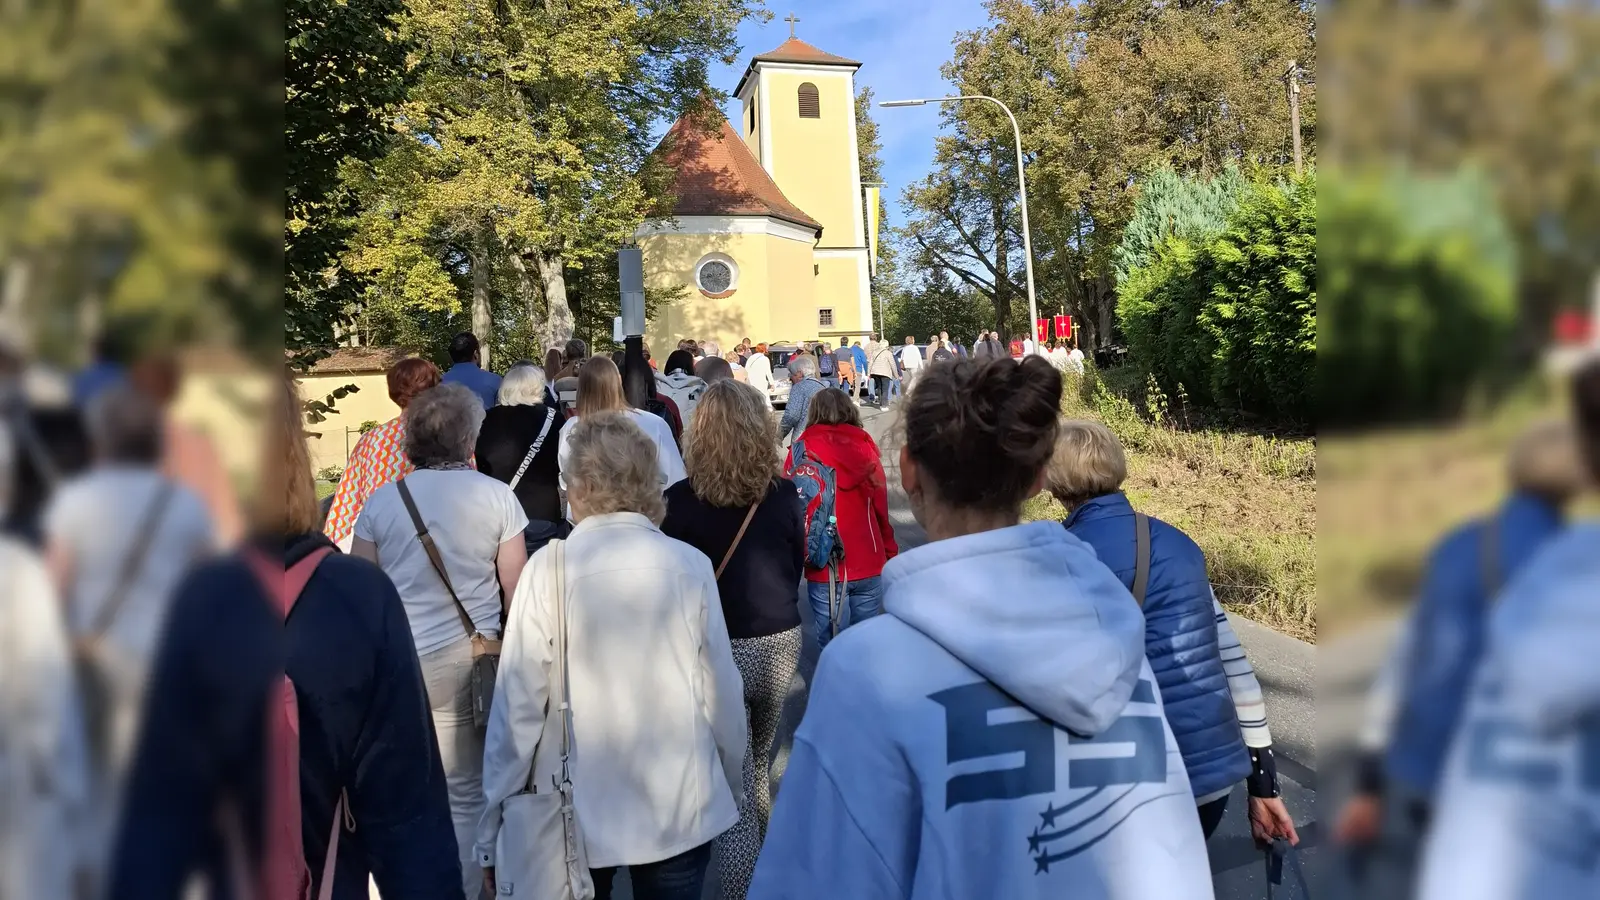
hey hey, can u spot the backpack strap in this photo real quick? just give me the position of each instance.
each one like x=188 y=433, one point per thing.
x=133 y=562
x=1141 y=552
x=549 y=418
x=429 y=547
x=1489 y=558
x=286 y=585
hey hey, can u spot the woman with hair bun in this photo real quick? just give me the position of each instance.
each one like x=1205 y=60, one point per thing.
x=942 y=742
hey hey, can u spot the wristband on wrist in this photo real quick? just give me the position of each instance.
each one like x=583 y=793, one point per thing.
x=1263 y=780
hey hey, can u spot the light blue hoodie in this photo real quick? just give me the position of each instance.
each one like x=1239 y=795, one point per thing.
x=997 y=734
x=1518 y=814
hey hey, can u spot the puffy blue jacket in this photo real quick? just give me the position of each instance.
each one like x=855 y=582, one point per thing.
x=1180 y=638
x=1447 y=628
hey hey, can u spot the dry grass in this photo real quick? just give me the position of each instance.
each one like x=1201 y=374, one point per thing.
x=1248 y=500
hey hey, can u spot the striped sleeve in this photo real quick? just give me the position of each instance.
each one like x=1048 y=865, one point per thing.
x=1248 y=701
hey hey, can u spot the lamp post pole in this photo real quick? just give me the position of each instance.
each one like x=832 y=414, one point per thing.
x=1022 y=187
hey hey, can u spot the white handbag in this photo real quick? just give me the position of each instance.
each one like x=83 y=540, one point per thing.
x=539 y=851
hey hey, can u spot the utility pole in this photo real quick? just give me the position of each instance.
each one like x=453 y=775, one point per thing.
x=1293 y=78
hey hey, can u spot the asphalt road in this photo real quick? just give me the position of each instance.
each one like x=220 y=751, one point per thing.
x=1285 y=666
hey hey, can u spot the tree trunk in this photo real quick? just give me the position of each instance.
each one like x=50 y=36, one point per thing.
x=482 y=319
x=528 y=288
x=1002 y=268
x=553 y=274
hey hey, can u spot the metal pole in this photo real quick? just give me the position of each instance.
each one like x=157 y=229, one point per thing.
x=1293 y=76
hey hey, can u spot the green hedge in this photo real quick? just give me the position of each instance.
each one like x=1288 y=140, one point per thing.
x=1231 y=316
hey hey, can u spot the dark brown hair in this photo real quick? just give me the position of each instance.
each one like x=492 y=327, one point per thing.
x=982 y=431
x=410 y=377
x=1586 y=413
x=831 y=406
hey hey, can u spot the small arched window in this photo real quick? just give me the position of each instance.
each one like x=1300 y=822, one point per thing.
x=810 y=106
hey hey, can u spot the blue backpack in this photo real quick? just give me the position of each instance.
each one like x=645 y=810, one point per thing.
x=816 y=484
x=825 y=362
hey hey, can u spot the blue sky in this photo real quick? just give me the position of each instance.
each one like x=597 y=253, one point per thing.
x=900 y=46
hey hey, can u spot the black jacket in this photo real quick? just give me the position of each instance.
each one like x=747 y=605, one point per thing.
x=508 y=432
x=365 y=727
x=760 y=588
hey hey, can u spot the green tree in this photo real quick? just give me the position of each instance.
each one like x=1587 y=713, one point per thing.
x=522 y=155
x=345 y=69
x=937 y=304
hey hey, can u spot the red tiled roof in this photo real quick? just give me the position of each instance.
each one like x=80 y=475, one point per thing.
x=350 y=360
x=715 y=174
x=793 y=50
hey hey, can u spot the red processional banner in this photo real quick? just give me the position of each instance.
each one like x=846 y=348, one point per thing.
x=1063 y=327
x=1042 y=327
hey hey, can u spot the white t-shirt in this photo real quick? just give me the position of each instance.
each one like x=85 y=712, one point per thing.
x=911 y=357
x=95 y=518
x=469 y=516
x=668 y=457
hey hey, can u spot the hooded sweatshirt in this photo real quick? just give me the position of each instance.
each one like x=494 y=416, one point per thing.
x=684 y=390
x=1518 y=811
x=974 y=743
x=861 y=498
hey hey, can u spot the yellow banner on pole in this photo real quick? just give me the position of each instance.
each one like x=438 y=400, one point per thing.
x=872 y=229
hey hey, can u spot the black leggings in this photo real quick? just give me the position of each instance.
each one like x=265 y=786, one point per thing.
x=881 y=382
x=1211 y=816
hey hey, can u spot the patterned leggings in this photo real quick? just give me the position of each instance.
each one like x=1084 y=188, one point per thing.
x=767 y=665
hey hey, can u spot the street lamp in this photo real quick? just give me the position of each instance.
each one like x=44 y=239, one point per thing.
x=1022 y=184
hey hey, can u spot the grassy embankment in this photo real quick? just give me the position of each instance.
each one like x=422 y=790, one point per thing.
x=1248 y=500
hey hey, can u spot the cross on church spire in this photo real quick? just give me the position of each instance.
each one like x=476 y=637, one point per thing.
x=792 y=20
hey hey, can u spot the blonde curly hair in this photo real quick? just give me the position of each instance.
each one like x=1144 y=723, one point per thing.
x=613 y=468
x=731 y=454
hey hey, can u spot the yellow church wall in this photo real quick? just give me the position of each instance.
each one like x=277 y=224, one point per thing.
x=793 y=304
x=839 y=288
x=813 y=159
x=331 y=440
x=774 y=275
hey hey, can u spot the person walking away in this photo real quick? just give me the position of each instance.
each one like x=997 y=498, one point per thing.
x=949 y=743
x=600 y=390
x=956 y=350
x=518 y=445
x=911 y=362
x=804 y=384
x=827 y=365
x=713 y=369
x=680 y=384
x=750 y=523
x=117 y=540
x=735 y=362
x=105 y=370
x=451 y=540
x=379 y=457
x=640 y=388
x=881 y=367
x=836 y=442
x=844 y=362
x=1212 y=698
x=465 y=370
x=1059 y=357
x=939 y=350
x=1074 y=357
x=369 y=771
x=1417 y=705
x=189 y=456
x=758 y=371
x=1516 y=804
x=45 y=798
x=656 y=781
x=863 y=379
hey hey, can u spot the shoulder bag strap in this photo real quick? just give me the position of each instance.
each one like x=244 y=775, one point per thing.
x=1489 y=550
x=133 y=561
x=433 y=554
x=563 y=693
x=737 y=538
x=549 y=418
x=1141 y=566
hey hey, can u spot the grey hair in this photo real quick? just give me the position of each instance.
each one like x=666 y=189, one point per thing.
x=803 y=363
x=442 y=425
x=613 y=466
x=523 y=386
x=124 y=425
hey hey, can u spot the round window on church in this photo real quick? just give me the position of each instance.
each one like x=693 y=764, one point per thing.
x=716 y=275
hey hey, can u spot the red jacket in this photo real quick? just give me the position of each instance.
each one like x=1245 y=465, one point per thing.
x=861 y=498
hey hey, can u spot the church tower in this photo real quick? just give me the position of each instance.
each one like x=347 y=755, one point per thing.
x=798 y=115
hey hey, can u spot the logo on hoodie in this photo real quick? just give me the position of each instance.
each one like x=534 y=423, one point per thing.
x=984 y=722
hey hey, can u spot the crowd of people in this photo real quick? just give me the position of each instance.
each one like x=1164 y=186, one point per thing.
x=567 y=616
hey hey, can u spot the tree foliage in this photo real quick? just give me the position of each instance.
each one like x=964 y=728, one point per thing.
x=522 y=155
x=1418 y=295
x=937 y=304
x=1230 y=313
x=1104 y=91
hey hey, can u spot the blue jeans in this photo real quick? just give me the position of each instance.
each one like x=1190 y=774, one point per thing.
x=862 y=600
x=681 y=877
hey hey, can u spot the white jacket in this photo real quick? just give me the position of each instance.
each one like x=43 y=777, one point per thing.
x=658 y=724
x=911 y=357
x=759 y=371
